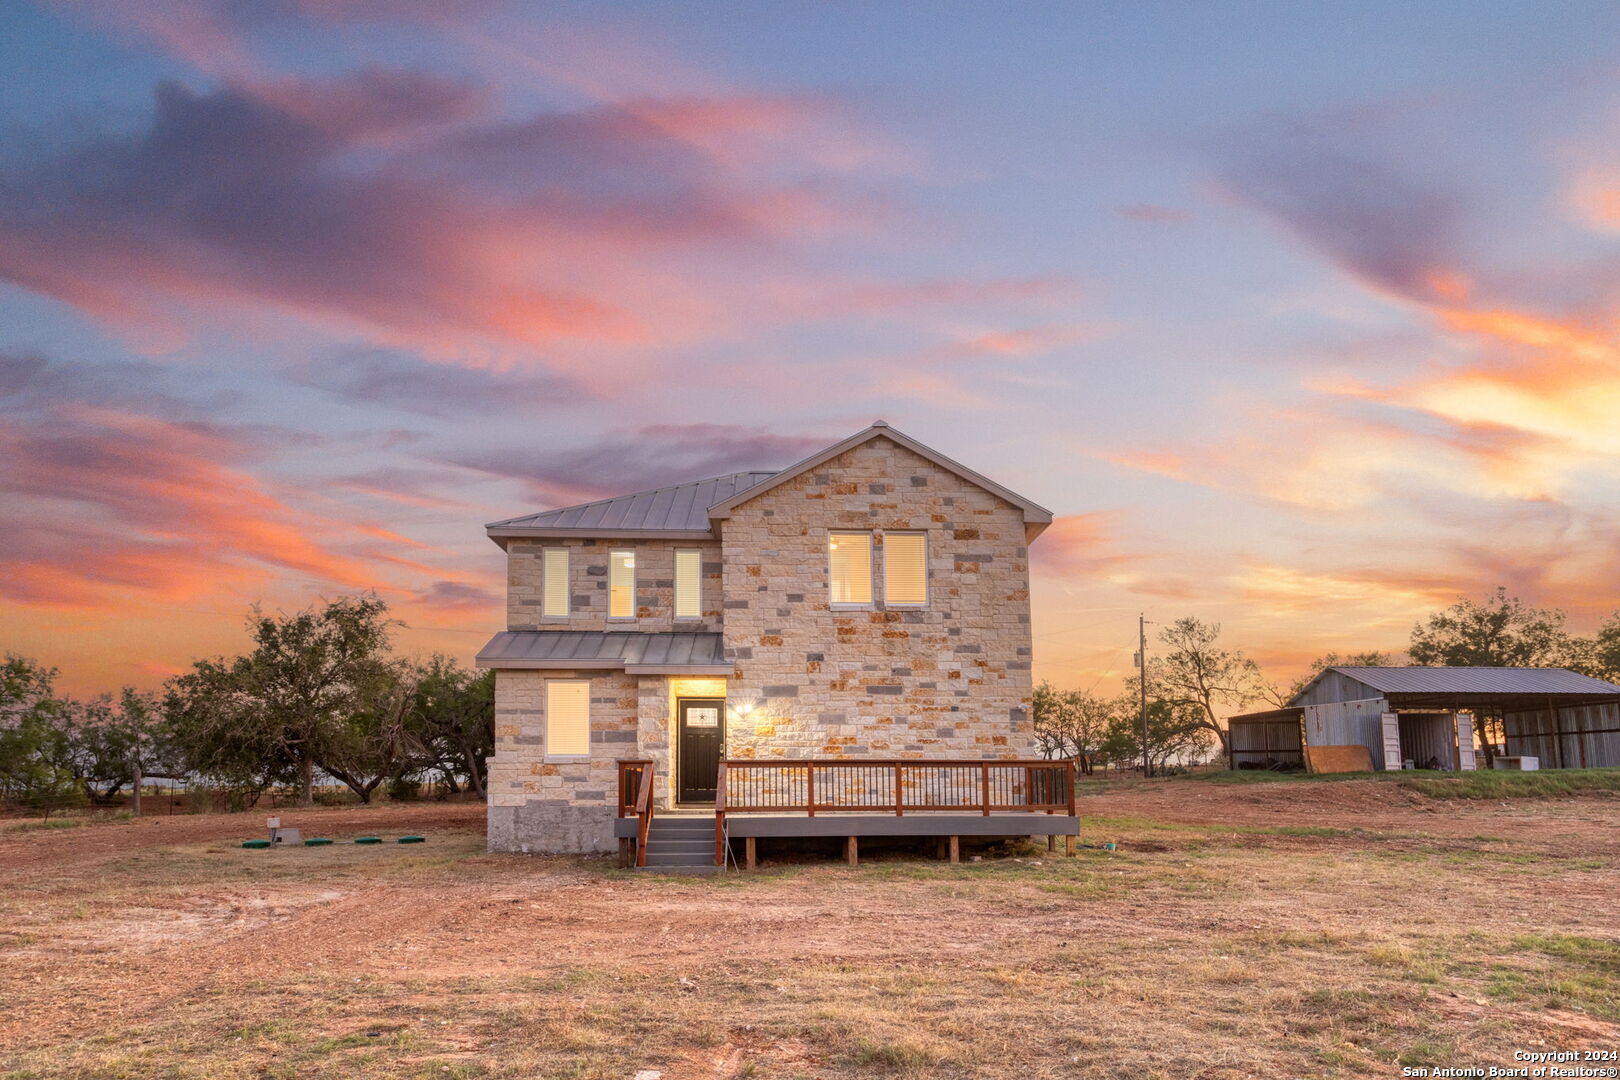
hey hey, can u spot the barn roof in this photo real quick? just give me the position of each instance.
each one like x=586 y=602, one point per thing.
x=1461 y=687
x=1477 y=680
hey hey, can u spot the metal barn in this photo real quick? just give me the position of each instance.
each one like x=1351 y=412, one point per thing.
x=1422 y=717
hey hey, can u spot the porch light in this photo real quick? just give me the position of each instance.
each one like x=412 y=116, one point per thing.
x=742 y=706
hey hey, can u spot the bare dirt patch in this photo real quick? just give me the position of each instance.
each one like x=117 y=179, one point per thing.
x=1315 y=930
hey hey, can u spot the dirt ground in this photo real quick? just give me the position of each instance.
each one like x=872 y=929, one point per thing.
x=1290 y=929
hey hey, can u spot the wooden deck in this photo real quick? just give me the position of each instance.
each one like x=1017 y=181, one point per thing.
x=856 y=798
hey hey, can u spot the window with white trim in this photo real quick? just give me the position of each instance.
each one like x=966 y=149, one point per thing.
x=622 y=585
x=905 y=569
x=554 y=583
x=849 y=566
x=688 y=583
x=568 y=717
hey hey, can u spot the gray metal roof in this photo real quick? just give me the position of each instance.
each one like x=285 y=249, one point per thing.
x=685 y=511
x=679 y=508
x=1477 y=680
x=642 y=653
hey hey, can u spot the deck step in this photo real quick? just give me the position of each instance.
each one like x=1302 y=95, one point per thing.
x=681 y=847
x=680 y=858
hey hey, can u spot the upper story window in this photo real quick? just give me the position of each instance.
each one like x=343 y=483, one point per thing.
x=554 y=584
x=568 y=717
x=688 y=583
x=905 y=569
x=849 y=563
x=622 y=585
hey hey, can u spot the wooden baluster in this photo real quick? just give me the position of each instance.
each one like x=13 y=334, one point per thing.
x=984 y=785
x=810 y=789
x=899 y=792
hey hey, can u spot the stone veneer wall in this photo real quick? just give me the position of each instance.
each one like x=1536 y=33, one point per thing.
x=541 y=804
x=948 y=680
x=588 y=585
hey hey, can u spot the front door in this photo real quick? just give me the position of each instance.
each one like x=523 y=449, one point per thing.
x=702 y=739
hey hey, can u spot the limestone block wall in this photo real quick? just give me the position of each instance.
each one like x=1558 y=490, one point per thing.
x=948 y=680
x=543 y=804
x=588 y=585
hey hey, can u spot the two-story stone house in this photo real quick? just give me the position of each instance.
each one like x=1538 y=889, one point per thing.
x=869 y=601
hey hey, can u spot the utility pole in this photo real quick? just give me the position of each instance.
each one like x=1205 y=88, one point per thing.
x=1141 y=681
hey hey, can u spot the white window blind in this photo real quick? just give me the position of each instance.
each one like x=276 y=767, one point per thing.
x=688 y=584
x=905 y=569
x=555 y=586
x=622 y=585
x=849 y=560
x=568 y=716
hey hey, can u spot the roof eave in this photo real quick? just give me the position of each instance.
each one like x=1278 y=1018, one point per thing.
x=597 y=664
x=500 y=532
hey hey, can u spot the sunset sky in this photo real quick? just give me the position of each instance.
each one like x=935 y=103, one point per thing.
x=1302 y=317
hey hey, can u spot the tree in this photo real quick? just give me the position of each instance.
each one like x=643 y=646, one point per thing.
x=1176 y=732
x=1501 y=632
x=455 y=709
x=34 y=765
x=1196 y=673
x=287 y=704
x=1070 y=723
x=110 y=742
x=379 y=739
x=1599 y=655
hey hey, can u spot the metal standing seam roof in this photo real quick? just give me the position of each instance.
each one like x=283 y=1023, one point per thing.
x=686 y=511
x=1477 y=680
x=677 y=653
x=677 y=508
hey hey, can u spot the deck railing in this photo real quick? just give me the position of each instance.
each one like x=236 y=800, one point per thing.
x=636 y=782
x=889 y=786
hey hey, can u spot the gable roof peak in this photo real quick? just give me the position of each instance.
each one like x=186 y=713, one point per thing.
x=1036 y=516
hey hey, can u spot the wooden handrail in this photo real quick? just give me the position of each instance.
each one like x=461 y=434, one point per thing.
x=720 y=817
x=644 y=811
x=879 y=785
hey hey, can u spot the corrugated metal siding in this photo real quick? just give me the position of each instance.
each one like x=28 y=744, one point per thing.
x=1348 y=723
x=1592 y=740
x=1333 y=685
x=1258 y=743
x=680 y=507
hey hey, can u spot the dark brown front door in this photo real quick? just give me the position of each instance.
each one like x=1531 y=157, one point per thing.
x=702 y=723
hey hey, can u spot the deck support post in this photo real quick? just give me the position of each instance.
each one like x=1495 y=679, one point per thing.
x=1051 y=841
x=750 y=853
x=956 y=849
x=1069 y=845
x=852 y=851
x=624 y=853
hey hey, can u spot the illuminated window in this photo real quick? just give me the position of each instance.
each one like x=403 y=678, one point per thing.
x=622 y=585
x=849 y=561
x=688 y=584
x=568 y=717
x=555 y=586
x=905 y=569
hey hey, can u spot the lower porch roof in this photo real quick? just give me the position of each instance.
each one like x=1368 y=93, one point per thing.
x=639 y=653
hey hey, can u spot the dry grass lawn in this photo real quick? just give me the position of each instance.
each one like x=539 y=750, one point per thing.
x=1275 y=930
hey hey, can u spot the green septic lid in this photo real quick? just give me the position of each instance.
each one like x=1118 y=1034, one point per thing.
x=255 y=843
x=413 y=839
x=318 y=841
x=368 y=840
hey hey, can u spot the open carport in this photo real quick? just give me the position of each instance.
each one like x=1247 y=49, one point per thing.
x=1436 y=717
